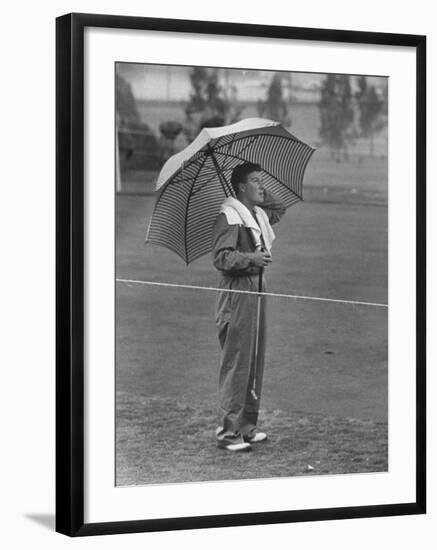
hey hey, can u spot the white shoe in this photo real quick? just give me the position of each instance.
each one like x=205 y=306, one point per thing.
x=256 y=438
x=236 y=447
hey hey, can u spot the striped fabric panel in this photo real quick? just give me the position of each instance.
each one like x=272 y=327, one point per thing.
x=190 y=195
x=203 y=209
x=168 y=224
x=283 y=159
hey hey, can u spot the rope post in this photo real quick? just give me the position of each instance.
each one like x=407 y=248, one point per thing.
x=117 y=163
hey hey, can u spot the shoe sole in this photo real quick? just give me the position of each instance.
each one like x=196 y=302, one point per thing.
x=251 y=441
x=236 y=448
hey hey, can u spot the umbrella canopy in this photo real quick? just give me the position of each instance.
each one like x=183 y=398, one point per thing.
x=193 y=183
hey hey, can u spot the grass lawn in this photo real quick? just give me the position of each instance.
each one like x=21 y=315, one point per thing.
x=162 y=440
x=324 y=400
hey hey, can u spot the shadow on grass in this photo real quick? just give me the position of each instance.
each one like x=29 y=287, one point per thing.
x=164 y=441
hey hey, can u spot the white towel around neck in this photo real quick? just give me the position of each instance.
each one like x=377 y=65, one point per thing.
x=238 y=214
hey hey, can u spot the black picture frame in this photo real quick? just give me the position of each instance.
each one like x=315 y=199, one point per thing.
x=70 y=273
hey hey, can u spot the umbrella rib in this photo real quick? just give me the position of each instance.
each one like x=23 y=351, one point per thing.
x=290 y=137
x=297 y=140
x=158 y=200
x=186 y=165
x=193 y=160
x=204 y=183
x=224 y=166
x=222 y=169
x=164 y=187
x=219 y=171
x=187 y=207
x=234 y=140
x=267 y=172
x=161 y=195
x=228 y=145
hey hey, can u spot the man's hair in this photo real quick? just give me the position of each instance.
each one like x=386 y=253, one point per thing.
x=240 y=173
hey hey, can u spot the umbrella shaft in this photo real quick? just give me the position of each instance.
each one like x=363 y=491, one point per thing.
x=258 y=319
x=221 y=177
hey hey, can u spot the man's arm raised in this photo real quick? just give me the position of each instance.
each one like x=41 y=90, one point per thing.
x=273 y=207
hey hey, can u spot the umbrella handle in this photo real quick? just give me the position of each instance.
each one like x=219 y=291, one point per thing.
x=260 y=279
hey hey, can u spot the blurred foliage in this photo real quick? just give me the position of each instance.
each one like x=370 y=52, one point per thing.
x=140 y=150
x=207 y=96
x=126 y=106
x=274 y=106
x=371 y=110
x=336 y=113
x=170 y=129
x=139 y=146
x=208 y=106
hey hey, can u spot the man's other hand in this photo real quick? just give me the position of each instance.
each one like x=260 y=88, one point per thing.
x=260 y=258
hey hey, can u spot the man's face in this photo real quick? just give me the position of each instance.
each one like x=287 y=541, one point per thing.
x=253 y=188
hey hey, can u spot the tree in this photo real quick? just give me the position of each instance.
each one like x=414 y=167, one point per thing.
x=336 y=112
x=275 y=106
x=170 y=129
x=127 y=115
x=371 y=108
x=216 y=102
x=197 y=102
x=125 y=103
x=207 y=105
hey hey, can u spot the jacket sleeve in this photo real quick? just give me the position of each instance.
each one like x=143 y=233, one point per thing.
x=225 y=255
x=273 y=207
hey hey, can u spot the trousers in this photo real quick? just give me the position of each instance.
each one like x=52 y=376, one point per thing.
x=236 y=319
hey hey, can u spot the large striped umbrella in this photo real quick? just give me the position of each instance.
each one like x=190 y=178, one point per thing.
x=193 y=183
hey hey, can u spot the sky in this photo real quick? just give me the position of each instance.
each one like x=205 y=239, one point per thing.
x=155 y=82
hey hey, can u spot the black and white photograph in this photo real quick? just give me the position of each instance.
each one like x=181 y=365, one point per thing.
x=219 y=275
x=251 y=261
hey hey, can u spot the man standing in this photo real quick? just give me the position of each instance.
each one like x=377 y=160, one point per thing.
x=242 y=240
